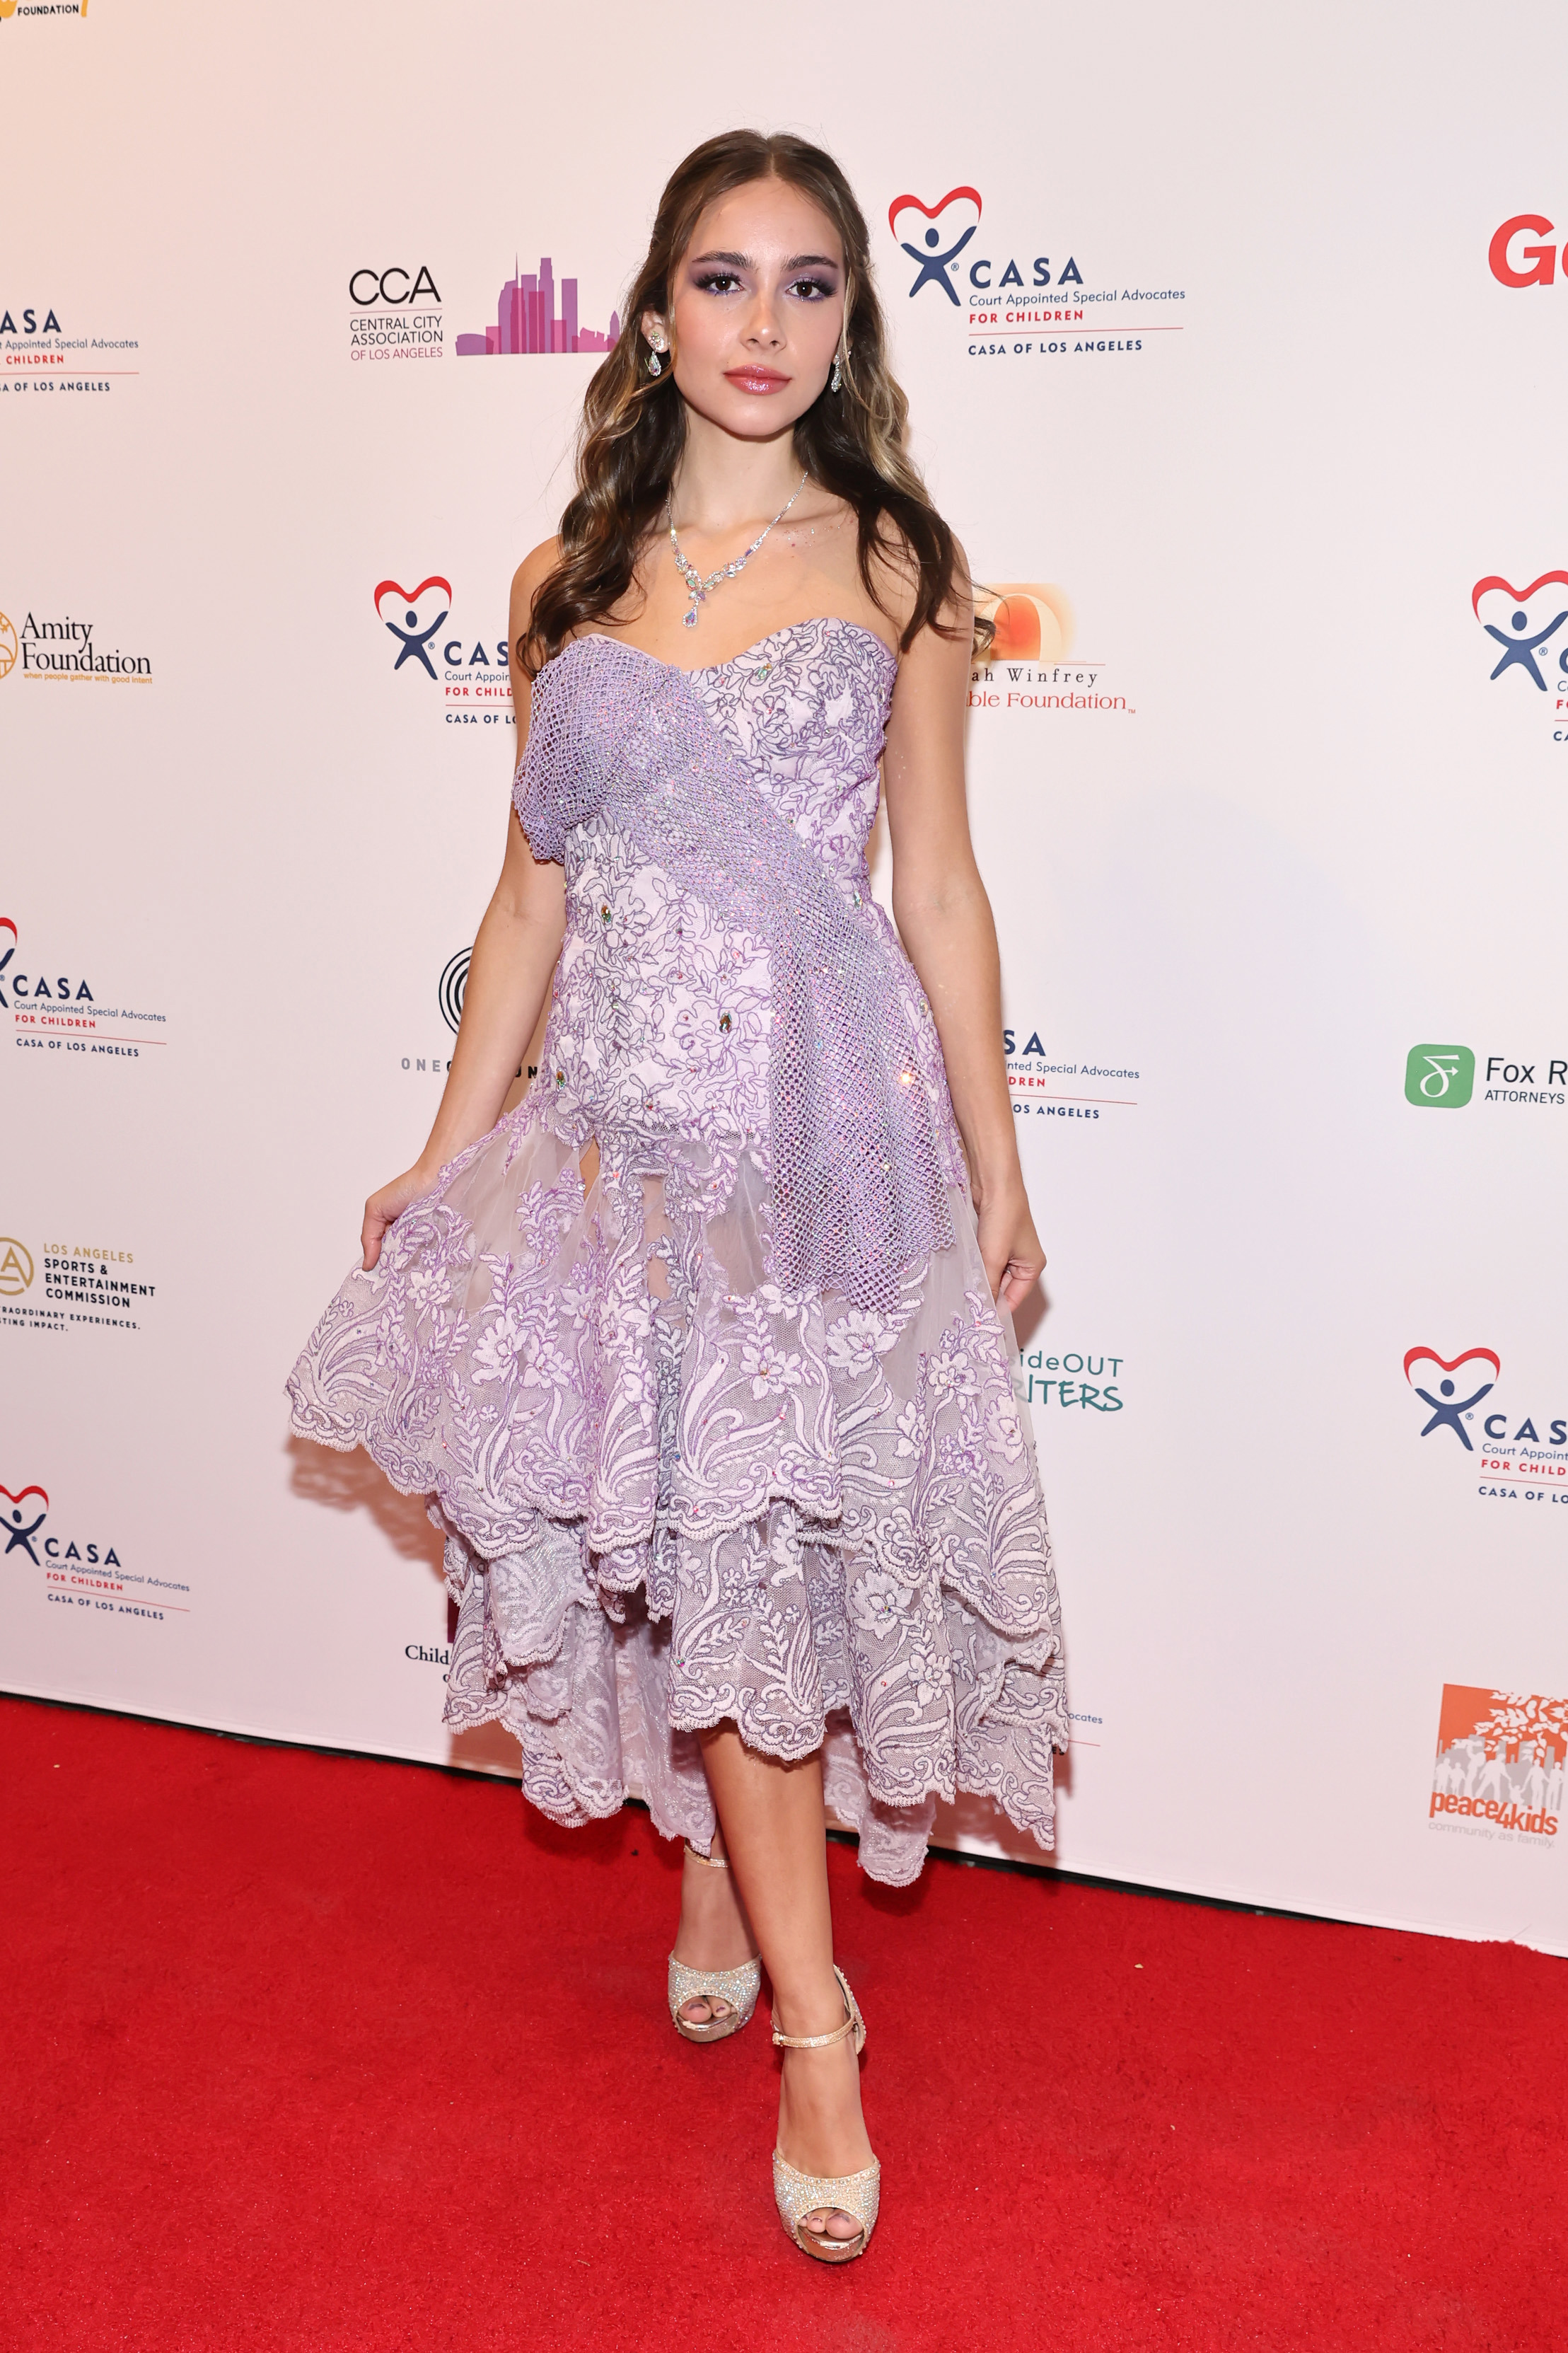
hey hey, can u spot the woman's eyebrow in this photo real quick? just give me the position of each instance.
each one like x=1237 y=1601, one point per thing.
x=736 y=261
x=810 y=261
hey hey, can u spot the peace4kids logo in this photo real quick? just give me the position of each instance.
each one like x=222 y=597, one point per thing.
x=1499 y=1765
x=1516 y=1461
x=475 y=684
x=1037 y=308
x=1523 y=627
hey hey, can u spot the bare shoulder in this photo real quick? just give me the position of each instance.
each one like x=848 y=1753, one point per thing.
x=896 y=574
x=528 y=580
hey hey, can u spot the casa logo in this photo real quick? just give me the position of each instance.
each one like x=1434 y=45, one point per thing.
x=1013 y=302
x=1527 y=642
x=64 y=649
x=30 y=989
x=474 y=682
x=1498 y=1773
x=22 y=1517
x=1026 y=665
x=1054 y=1086
x=37 y=355
x=1077 y=1377
x=1520 y=1455
x=397 y=314
x=1443 y=1078
x=51 y=1012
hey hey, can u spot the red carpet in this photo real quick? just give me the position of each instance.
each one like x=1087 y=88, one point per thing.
x=307 y=2051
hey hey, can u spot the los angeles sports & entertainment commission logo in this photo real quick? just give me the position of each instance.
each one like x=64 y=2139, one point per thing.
x=71 y=1287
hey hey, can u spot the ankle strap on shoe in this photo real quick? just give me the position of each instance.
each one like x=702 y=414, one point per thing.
x=854 y=2024
x=708 y=1861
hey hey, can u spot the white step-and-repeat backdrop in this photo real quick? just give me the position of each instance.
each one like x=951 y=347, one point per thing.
x=1233 y=344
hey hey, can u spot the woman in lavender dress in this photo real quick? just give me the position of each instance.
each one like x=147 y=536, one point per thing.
x=704 y=1353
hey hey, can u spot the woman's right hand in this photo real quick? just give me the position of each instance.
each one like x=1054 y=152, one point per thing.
x=385 y=1209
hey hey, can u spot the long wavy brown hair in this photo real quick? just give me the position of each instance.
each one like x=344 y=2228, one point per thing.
x=852 y=441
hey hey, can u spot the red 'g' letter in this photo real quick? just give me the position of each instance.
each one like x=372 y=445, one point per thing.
x=1544 y=256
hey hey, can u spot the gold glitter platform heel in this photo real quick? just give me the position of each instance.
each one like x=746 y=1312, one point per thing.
x=739 y=1988
x=799 y=2194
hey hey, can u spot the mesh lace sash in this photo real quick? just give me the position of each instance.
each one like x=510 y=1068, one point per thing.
x=860 y=1187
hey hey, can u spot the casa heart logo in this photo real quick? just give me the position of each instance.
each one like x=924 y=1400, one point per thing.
x=406 y=621
x=934 y=236
x=22 y=1514
x=1443 y=1383
x=405 y=597
x=1523 y=622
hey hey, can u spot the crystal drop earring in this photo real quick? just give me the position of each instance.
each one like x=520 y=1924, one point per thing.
x=836 y=381
x=657 y=342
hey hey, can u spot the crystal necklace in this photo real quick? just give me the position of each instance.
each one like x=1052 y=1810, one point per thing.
x=699 y=589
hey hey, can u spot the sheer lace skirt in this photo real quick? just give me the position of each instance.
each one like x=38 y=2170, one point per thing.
x=673 y=1494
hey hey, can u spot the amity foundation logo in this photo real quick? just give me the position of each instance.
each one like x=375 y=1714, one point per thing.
x=39 y=356
x=79 y=1572
x=59 y=1013
x=9 y=8
x=1008 y=302
x=62 y=1287
x=1026 y=669
x=472 y=674
x=1498 y=1773
x=1517 y=1454
x=1043 y=1085
x=1528 y=643
x=63 y=649
x=397 y=315
x=1443 y=1078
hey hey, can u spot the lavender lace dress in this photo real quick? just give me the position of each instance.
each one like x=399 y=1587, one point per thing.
x=676 y=1487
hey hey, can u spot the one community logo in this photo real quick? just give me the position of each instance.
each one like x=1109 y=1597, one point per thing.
x=449 y=994
x=1498 y=1767
x=1443 y=1078
x=470 y=672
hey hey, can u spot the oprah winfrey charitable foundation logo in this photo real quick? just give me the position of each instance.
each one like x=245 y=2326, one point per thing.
x=1516 y=1452
x=1030 y=669
x=1499 y=1768
x=430 y=647
x=1014 y=291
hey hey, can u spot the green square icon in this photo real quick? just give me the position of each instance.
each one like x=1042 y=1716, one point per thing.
x=1439 y=1078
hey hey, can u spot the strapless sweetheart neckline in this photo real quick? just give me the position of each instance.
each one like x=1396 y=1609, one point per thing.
x=709 y=670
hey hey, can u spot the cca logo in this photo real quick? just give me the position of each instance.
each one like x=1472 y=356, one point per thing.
x=1439 y=1078
x=15 y=1267
x=381 y=289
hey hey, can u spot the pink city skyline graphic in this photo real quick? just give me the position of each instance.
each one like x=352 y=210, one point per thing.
x=527 y=320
